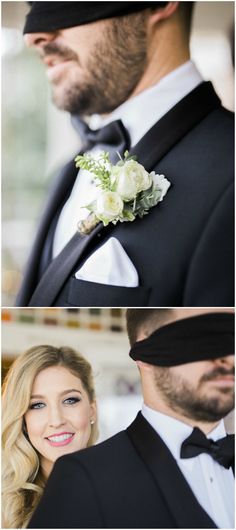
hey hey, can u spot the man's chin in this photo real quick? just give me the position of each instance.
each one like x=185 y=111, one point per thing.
x=210 y=407
x=60 y=98
x=218 y=408
x=222 y=393
x=69 y=99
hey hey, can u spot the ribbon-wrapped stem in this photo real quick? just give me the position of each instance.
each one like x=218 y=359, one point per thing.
x=87 y=225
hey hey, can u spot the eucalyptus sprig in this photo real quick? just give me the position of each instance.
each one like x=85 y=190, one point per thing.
x=100 y=167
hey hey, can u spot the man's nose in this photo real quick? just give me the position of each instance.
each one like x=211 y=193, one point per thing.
x=39 y=40
x=227 y=361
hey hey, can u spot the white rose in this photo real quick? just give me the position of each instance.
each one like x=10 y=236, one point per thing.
x=161 y=183
x=131 y=178
x=109 y=205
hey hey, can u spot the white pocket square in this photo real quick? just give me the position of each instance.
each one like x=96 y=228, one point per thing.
x=109 y=265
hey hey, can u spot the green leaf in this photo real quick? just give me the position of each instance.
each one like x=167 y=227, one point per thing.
x=100 y=167
x=128 y=157
x=91 y=206
x=128 y=214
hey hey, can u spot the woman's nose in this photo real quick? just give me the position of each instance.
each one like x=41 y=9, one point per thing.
x=38 y=39
x=56 y=418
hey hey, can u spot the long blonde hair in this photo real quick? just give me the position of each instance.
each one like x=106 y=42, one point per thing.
x=22 y=481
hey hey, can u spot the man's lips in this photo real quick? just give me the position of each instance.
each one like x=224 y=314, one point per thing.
x=55 y=65
x=53 y=60
x=60 y=439
x=223 y=380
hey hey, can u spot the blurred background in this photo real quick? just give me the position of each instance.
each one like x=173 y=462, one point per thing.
x=100 y=336
x=37 y=139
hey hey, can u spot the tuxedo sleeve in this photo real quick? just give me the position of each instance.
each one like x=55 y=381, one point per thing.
x=70 y=499
x=210 y=279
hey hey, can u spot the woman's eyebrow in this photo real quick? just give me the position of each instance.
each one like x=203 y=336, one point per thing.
x=39 y=396
x=71 y=390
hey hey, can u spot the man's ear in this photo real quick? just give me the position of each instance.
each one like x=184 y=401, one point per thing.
x=162 y=13
x=142 y=334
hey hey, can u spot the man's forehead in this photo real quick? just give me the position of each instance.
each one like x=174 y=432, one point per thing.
x=51 y=16
x=182 y=313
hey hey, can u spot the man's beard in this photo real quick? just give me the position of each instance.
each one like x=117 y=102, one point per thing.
x=112 y=72
x=194 y=403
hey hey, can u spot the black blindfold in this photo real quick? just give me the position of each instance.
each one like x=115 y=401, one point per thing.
x=51 y=16
x=198 y=338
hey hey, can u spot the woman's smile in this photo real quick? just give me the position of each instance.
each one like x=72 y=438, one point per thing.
x=63 y=438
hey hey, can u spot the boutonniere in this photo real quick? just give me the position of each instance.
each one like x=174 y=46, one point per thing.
x=127 y=190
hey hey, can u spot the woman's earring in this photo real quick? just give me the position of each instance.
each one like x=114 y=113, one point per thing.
x=92 y=422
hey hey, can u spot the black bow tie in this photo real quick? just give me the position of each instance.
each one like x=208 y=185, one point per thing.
x=112 y=137
x=222 y=451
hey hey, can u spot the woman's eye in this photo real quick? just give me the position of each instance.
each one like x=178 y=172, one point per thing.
x=71 y=400
x=38 y=405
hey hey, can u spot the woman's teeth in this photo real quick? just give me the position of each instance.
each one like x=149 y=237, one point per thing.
x=60 y=437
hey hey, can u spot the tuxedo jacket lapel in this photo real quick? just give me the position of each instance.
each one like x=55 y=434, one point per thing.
x=178 y=496
x=175 y=125
x=151 y=148
x=57 y=197
x=59 y=269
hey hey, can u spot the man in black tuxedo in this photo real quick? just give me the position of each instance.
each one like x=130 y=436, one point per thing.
x=134 y=57
x=172 y=467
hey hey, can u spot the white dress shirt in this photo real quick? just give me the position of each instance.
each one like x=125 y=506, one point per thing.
x=154 y=102
x=211 y=483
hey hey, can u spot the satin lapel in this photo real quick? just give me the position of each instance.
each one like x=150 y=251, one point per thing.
x=59 y=269
x=174 y=125
x=178 y=496
x=155 y=144
x=58 y=193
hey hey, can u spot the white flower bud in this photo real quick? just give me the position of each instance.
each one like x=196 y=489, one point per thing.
x=161 y=182
x=131 y=178
x=109 y=205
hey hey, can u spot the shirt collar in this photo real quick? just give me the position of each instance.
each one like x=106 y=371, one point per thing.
x=154 y=102
x=173 y=432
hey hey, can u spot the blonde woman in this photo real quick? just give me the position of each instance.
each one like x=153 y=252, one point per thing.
x=49 y=410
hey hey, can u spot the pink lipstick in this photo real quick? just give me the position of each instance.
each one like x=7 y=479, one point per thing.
x=61 y=439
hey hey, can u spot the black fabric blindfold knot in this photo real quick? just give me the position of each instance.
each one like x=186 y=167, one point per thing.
x=198 y=338
x=51 y=16
x=222 y=450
